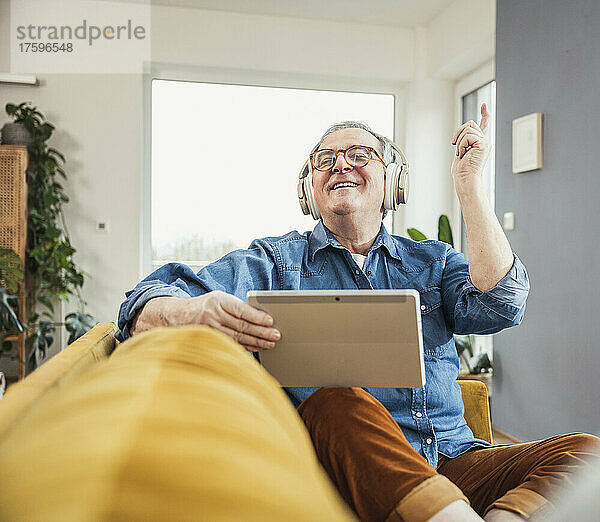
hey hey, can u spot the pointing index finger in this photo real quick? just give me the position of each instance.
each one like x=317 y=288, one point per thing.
x=485 y=118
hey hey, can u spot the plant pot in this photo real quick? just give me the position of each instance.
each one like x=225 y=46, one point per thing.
x=15 y=134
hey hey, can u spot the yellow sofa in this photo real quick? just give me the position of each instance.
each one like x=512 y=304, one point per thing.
x=174 y=424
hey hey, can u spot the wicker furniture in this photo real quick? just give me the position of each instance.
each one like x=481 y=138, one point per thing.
x=13 y=222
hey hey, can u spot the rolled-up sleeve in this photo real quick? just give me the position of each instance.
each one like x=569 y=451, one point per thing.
x=468 y=310
x=170 y=280
x=235 y=273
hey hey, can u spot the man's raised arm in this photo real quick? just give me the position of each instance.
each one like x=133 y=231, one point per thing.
x=490 y=254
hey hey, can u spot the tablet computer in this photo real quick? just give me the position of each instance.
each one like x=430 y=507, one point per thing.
x=367 y=338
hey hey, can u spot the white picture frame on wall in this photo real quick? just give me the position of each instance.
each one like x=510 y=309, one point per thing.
x=527 y=143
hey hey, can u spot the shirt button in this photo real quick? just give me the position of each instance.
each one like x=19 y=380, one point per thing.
x=357 y=272
x=369 y=272
x=418 y=414
x=429 y=441
x=423 y=307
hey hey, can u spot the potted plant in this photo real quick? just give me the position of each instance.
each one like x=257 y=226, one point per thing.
x=15 y=133
x=50 y=271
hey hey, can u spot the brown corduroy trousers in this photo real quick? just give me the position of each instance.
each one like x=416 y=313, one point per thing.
x=383 y=478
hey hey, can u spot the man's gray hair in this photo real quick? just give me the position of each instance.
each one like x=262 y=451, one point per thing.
x=387 y=151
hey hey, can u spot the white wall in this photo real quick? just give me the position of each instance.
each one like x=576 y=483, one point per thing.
x=429 y=128
x=461 y=37
x=450 y=49
x=269 y=43
x=100 y=118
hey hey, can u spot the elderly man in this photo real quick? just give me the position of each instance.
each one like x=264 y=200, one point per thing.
x=394 y=454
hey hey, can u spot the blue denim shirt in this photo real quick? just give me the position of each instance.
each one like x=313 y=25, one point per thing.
x=432 y=417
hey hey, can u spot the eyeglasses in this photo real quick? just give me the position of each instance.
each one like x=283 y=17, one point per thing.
x=356 y=156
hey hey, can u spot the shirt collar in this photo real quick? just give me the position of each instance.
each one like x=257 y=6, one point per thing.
x=322 y=237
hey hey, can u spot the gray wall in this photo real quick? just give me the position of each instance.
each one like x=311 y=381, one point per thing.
x=548 y=369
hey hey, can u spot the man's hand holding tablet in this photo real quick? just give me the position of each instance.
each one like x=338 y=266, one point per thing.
x=250 y=327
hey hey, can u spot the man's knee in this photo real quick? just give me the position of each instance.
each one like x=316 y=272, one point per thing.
x=572 y=450
x=333 y=409
x=346 y=416
x=331 y=402
x=581 y=444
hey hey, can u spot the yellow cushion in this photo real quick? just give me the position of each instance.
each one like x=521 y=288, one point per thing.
x=178 y=424
x=477 y=408
x=25 y=396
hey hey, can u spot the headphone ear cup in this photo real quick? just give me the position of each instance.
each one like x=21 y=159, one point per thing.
x=306 y=195
x=302 y=199
x=396 y=186
x=403 y=185
x=391 y=181
x=310 y=196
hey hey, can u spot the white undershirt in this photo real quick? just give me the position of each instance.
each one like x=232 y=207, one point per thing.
x=360 y=259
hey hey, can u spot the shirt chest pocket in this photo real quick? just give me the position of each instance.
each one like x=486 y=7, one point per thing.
x=436 y=333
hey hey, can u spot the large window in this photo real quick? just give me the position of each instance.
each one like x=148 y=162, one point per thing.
x=226 y=159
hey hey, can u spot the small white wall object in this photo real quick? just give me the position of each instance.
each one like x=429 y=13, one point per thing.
x=509 y=221
x=103 y=226
x=527 y=143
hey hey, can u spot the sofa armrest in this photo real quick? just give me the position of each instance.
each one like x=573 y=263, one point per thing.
x=23 y=396
x=477 y=408
x=177 y=424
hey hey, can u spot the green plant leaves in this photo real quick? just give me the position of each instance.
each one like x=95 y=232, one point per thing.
x=45 y=300
x=49 y=253
x=481 y=364
x=416 y=235
x=464 y=343
x=53 y=152
x=46 y=130
x=41 y=340
x=77 y=324
x=12 y=274
x=9 y=322
x=11 y=269
x=444 y=230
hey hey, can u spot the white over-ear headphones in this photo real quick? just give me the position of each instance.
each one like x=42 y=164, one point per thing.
x=395 y=192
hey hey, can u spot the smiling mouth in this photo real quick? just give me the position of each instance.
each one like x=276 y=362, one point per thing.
x=344 y=184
